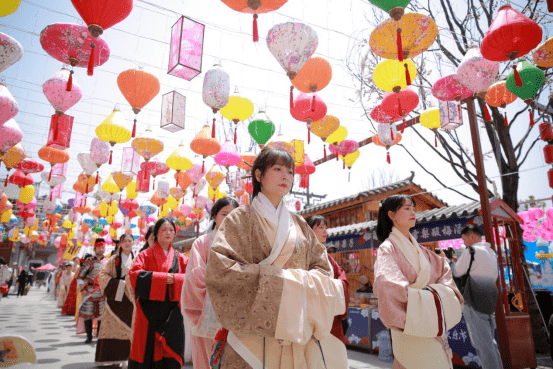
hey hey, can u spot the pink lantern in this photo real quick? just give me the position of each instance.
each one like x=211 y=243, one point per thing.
x=56 y=175
x=449 y=88
x=344 y=148
x=173 y=108
x=196 y=172
x=305 y=170
x=89 y=167
x=10 y=135
x=308 y=108
x=55 y=193
x=228 y=156
x=379 y=116
x=59 y=136
x=131 y=162
x=8 y=105
x=56 y=91
x=11 y=51
x=476 y=72
x=99 y=151
x=185 y=54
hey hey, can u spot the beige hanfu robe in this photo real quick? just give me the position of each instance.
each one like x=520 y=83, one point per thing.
x=272 y=288
x=418 y=301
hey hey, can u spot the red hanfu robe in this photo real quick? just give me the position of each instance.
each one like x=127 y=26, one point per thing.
x=339 y=273
x=158 y=332
x=70 y=305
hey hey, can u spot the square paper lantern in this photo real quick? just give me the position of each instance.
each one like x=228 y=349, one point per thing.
x=131 y=162
x=450 y=114
x=60 y=170
x=143 y=181
x=60 y=131
x=173 y=111
x=55 y=193
x=187 y=46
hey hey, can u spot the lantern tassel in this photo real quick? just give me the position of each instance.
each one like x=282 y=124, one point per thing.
x=399 y=111
x=304 y=181
x=86 y=191
x=388 y=157
x=291 y=97
x=50 y=195
x=110 y=156
x=349 y=176
x=506 y=122
x=91 y=60
x=70 y=81
x=399 y=46
x=203 y=166
x=436 y=140
x=391 y=133
x=531 y=118
x=518 y=80
x=50 y=176
x=213 y=129
x=313 y=103
x=97 y=179
x=134 y=128
x=154 y=184
x=308 y=136
x=255 y=31
x=487 y=115
x=344 y=164
x=337 y=158
x=324 y=151
x=235 y=128
x=459 y=110
x=403 y=126
x=407 y=75
x=6 y=181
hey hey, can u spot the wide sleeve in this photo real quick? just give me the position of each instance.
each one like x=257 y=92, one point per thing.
x=340 y=274
x=147 y=284
x=106 y=274
x=194 y=291
x=178 y=278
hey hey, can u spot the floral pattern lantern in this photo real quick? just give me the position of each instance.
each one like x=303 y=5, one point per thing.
x=154 y=168
x=254 y=7
x=121 y=179
x=308 y=108
x=72 y=44
x=143 y=181
x=216 y=88
x=450 y=115
x=228 y=155
x=430 y=118
x=238 y=109
x=246 y=161
x=99 y=151
x=59 y=95
x=102 y=14
x=88 y=166
x=449 y=88
x=112 y=130
x=396 y=8
x=344 y=148
x=173 y=108
x=10 y=135
x=205 y=145
x=214 y=176
x=531 y=80
x=11 y=51
x=131 y=162
x=13 y=157
x=391 y=75
x=56 y=175
x=384 y=138
x=543 y=56
x=147 y=145
x=379 y=116
x=8 y=105
x=61 y=127
x=305 y=170
x=139 y=88
x=476 y=72
x=185 y=53
x=292 y=44
x=261 y=128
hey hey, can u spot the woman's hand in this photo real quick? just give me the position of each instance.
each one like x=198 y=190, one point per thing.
x=170 y=279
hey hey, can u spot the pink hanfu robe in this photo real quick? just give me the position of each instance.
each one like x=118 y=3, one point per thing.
x=420 y=307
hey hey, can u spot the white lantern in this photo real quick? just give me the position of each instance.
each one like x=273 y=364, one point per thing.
x=216 y=89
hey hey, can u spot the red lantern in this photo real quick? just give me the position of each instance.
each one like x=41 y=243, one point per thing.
x=546 y=132
x=510 y=36
x=102 y=14
x=21 y=179
x=550 y=177
x=59 y=136
x=298 y=205
x=308 y=108
x=143 y=181
x=548 y=154
x=305 y=170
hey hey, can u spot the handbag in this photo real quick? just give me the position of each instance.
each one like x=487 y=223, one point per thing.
x=4 y=289
x=481 y=299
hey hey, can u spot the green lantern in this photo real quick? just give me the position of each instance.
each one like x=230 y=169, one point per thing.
x=261 y=129
x=97 y=228
x=529 y=80
x=396 y=8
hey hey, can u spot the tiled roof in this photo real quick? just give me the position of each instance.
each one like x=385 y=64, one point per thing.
x=374 y=191
x=465 y=210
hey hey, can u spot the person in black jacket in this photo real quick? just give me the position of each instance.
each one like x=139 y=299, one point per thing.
x=22 y=280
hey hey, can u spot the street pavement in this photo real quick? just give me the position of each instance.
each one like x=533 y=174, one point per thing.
x=37 y=318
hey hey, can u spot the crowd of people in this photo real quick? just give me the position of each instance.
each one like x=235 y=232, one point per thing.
x=259 y=289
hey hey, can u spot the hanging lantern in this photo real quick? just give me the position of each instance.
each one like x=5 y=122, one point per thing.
x=396 y=8
x=315 y=75
x=72 y=44
x=154 y=168
x=410 y=36
x=53 y=156
x=110 y=186
x=254 y=7
x=56 y=175
x=294 y=147
x=20 y=179
x=292 y=44
x=131 y=162
x=30 y=165
x=430 y=118
x=308 y=108
x=214 y=176
x=59 y=136
x=100 y=15
x=543 y=56
x=261 y=128
x=173 y=108
x=228 y=155
x=499 y=96
x=112 y=130
x=238 y=109
x=391 y=76
x=205 y=145
x=9 y=7
x=178 y=161
x=476 y=72
x=499 y=43
x=56 y=91
x=344 y=148
x=216 y=88
x=337 y=136
x=324 y=128
x=121 y=179
x=378 y=115
x=8 y=105
x=13 y=156
x=183 y=180
x=449 y=88
x=143 y=181
x=531 y=78
x=99 y=151
x=349 y=160
x=450 y=115
x=11 y=51
x=10 y=135
x=246 y=161
x=305 y=170
x=399 y=104
x=147 y=145
x=185 y=54
x=139 y=88
x=384 y=138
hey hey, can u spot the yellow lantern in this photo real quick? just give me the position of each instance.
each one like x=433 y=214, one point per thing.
x=238 y=109
x=178 y=161
x=6 y=216
x=325 y=127
x=337 y=136
x=294 y=147
x=8 y=7
x=172 y=202
x=430 y=118
x=147 y=145
x=131 y=190
x=350 y=159
x=110 y=186
x=389 y=75
x=26 y=195
x=14 y=156
x=298 y=152
x=215 y=193
x=110 y=219
x=163 y=211
x=112 y=130
x=121 y=180
x=113 y=208
x=104 y=207
x=113 y=233
x=215 y=176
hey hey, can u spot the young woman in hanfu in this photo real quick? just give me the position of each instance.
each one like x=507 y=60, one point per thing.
x=195 y=302
x=114 y=339
x=417 y=298
x=270 y=282
x=157 y=276
x=65 y=282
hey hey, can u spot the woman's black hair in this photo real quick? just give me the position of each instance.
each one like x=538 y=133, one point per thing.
x=2 y=262
x=118 y=265
x=385 y=224
x=148 y=234
x=315 y=220
x=161 y=222
x=221 y=203
x=268 y=157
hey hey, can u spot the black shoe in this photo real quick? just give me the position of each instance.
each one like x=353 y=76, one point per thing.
x=88 y=340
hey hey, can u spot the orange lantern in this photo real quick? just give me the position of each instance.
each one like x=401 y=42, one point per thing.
x=315 y=75
x=139 y=88
x=205 y=145
x=53 y=156
x=377 y=141
x=183 y=180
x=156 y=200
x=499 y=96
x=246 y=161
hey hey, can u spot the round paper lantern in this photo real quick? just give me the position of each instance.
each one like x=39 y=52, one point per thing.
x=110 y=186
x=305 y=170
x=430 y=118
x=345 y=147
x=228 y=155
x=532 y=79
x=216 y=88
x=30 y=165
x=205 y=145
x=476 y=72
x=315 y=75
x=379 y=116
x=500 y=44
x=543 y=56
x=324 y=127
x=8 y=105
x=139 y=88
x=391 y=75
x=396 y=8
x=238 y=109
x=89 y=167
x=102 y=14
x=26 y=194
x=337 y=136
x=246 y=161
x=292 y=44
x=10 y=135
x=401 y=103
x=99 y=151
x=11 y=51
x=55 y=90
x=178 y=161
x=147 y=145
x=499 y=96
x=8 y=7
x=154 y=167
x=53 y=156
x=449 y=88
x=52 y=179
x=14 y=156
x=261 y=128
x=410 y=36
x=19 y=178
x=308 y=108
x=112 y=130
